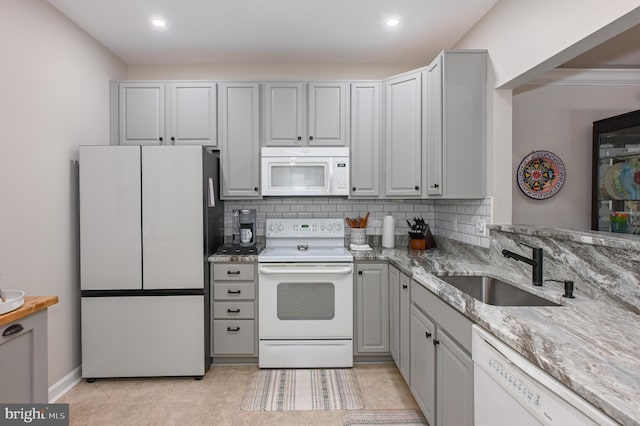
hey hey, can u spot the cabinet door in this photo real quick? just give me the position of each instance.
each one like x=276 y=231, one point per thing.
x=240 y=140
x=463 y=124
x=403 y=119
x=172 y=217
x=365 y=139
x=193 y=114
x=423 y=363
x=454 y=384
x=405 y=300
x=110 y=211
x=141 y=113
x=283 y=114
x=24 y=360
x=432 y=128
x=328 y=114
x=372 y=308
x=394 y=313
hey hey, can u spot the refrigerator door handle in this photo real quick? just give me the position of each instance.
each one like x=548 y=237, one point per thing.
x=211 y=192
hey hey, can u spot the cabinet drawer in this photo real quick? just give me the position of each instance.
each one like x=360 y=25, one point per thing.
x=235 y=310
x=228 y=291
x=233 y=272
x=234 y=337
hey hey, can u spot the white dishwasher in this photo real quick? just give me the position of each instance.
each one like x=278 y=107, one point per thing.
x=509 y=389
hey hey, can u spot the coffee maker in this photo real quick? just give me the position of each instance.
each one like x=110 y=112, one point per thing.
x=243 y=230
x=247 y=222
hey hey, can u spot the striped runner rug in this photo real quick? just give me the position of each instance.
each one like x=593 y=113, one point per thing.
x=303 y=389
x=384 y=417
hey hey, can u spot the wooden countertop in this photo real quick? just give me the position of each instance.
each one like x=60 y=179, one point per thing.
x=32 y=304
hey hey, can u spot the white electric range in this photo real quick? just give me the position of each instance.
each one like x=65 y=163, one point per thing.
x=305 y=295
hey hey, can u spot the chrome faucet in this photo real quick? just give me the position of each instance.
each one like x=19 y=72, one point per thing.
x=535 y=262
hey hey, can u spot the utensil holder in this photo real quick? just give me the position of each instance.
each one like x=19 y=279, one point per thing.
x=418 y=244
x=358 y=235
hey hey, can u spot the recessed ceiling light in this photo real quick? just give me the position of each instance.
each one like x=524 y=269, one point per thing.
x=392 y=23
x=158 y=23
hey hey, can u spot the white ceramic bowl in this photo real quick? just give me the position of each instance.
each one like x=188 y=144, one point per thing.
x=15 y=299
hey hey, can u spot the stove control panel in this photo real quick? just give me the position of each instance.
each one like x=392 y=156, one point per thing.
x=310 y=228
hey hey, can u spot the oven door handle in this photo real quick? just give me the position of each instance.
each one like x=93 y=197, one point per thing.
x=324 y=269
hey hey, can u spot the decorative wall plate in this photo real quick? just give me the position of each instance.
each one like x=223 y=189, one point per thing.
x=540 y=175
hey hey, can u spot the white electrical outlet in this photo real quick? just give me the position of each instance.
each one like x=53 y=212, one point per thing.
x=455 y=224
x=481 y=228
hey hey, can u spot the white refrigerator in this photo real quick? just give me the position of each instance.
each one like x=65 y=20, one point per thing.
x=150 y=217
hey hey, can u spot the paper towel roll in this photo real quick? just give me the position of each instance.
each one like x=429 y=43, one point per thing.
x=388 y=232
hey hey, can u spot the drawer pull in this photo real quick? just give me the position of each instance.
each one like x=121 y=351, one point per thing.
x=233 y=311
x=15 y=328
x=233 y=328
x=234 y=291
x=233 y=272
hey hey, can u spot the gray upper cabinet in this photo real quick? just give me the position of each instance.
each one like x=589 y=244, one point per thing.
x=164 y=113
x=403 y=127
x=283 y=114
x=193 y=113
x=372 y=308
x=141 y=114
x=365 y=139
x=239 y=125
x=306 y=114
x=454 y=125
x=328 y=118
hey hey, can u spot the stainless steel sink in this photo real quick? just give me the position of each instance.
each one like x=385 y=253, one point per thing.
x=492 y=291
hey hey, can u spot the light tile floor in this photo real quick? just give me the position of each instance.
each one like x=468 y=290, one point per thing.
x=215 y=400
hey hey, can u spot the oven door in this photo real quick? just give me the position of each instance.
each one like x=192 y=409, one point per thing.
x=305 y=301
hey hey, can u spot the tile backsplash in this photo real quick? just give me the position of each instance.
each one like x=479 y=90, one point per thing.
x=454 y=219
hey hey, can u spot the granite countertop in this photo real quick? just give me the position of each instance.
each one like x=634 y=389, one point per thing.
x=589 y=345
x=32 y=304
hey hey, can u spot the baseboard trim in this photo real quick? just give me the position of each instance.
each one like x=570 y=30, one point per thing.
x=65 y=384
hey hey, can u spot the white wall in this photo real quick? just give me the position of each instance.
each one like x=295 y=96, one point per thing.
x=54 y=81
x=266 y=71
x=558 y=117
x=526 y=39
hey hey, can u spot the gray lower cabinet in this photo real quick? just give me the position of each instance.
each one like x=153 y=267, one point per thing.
x=399 y=319
x=394 y=313
x=404 y=314
x=23 y=355
x=441 y=364
x=372 y=308
x=234 y=319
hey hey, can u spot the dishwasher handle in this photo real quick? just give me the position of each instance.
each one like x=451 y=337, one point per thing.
x=306 y=269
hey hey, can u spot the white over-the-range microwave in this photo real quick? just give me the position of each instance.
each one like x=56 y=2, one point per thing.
x=305 y=171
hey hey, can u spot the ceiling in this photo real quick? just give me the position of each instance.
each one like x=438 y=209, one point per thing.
x=275 y=31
